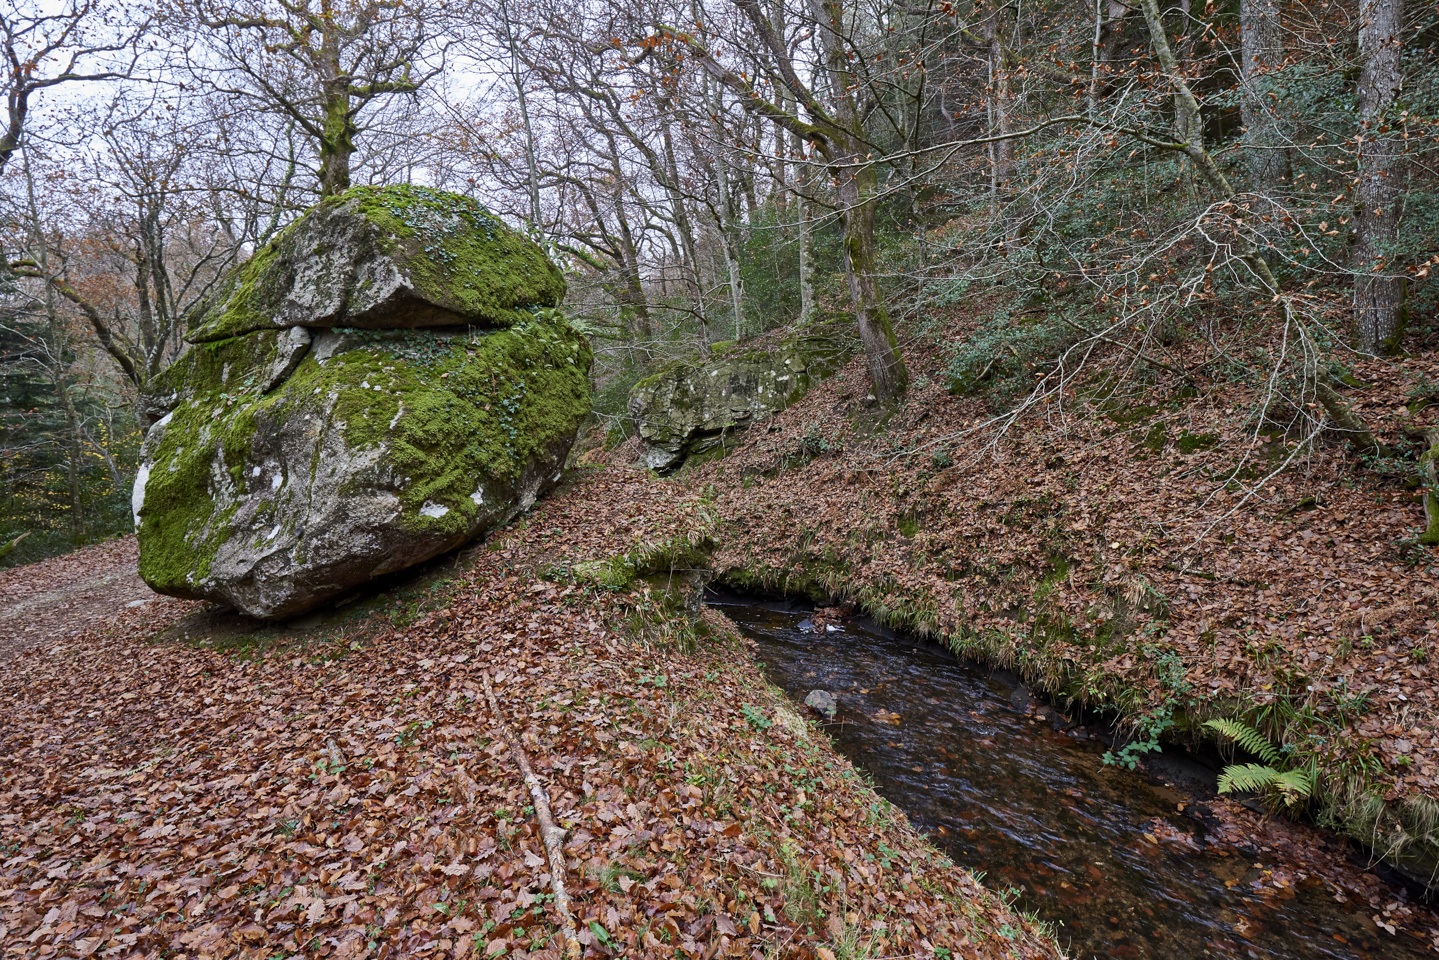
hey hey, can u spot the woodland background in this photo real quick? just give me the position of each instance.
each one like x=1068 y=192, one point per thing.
x=1101 y=176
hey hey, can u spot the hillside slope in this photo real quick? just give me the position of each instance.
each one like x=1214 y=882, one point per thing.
x=1135 y=541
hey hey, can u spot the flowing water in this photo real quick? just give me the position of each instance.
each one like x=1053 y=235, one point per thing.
x=1106 y=855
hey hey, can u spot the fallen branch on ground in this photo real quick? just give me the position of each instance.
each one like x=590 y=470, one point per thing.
x=552 y=836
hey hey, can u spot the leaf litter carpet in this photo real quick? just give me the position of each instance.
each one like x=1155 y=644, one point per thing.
x=64 y=596
x=350 y=799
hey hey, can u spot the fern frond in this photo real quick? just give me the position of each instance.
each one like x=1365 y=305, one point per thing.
x=1247 y=777
x=1291 y=785
x=1247 y=737
x=1296 y=783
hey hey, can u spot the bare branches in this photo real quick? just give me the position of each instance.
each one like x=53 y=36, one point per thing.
x=46 y=49
x=323 y=67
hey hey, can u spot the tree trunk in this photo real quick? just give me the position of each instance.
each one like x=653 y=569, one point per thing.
x=1378 y=293
x=72 y=462
x=531 y=166
x=725 y=210
x=1000 y=115
x=806 y=258
x=804 y=230
x=858 y=187
x=1188 y=125
x=1261 y=53
x=689 y=266
x=337 y=140
x=858 y=183
x=634 y=291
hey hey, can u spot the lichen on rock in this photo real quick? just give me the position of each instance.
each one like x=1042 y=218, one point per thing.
x=385 y=257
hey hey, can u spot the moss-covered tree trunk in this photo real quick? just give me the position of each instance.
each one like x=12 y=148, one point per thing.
x=858 y=185
x=337 y=138
x=1188 y=122
x=1429 y=477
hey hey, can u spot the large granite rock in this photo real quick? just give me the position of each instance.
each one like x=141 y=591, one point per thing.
x=292 y=464
x=688 y=412
x=386 y=257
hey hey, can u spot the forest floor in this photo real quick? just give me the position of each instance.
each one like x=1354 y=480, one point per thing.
x=342 y=789
x=174 y=780
x=68 y=595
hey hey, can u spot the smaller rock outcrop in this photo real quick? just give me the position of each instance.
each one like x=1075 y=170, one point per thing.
x=688 y=412
x=297 y=459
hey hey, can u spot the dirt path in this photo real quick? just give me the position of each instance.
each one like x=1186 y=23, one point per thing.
x=66 y=596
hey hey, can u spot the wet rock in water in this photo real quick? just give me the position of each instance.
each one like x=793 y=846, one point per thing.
x=293 y=463
x=807 y=626
x=823 y=703
x=688 y=412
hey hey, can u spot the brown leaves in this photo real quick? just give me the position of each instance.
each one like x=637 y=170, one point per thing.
x=1146 y=496
x=324 y=798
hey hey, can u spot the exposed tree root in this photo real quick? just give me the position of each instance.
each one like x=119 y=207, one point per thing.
x=552 y=836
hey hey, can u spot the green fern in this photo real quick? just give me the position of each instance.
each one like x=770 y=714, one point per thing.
x=1290 y=785
x=1248 y=738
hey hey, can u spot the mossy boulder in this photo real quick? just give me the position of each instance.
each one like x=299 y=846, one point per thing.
x=688 y=412
x=378 y=450
x=385 y=258
x=296 y=459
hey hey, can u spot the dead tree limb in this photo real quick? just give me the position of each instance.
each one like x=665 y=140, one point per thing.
x=551 y=835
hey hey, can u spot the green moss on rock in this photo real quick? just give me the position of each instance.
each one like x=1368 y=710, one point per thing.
x=408 y=442
x=686 y=412
x=398 y=256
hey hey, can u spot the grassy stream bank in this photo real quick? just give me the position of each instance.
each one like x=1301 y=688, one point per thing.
x=1156 y=552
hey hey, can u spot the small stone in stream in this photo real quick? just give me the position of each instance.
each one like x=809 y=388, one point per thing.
x=823 y=703
x=806 y=626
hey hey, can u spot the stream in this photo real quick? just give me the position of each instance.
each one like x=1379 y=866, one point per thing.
x=1019 y=794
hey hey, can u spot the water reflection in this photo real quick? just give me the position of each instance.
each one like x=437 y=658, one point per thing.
x=1105 y=854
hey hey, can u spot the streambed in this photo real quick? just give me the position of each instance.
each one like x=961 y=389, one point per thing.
x=1124 y=864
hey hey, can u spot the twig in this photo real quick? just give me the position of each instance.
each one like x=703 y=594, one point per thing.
x=550 y=834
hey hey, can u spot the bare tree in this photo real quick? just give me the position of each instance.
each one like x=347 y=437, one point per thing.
x=326 y=65
x=153 y=227
x=836 y=129
x=44 y=48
